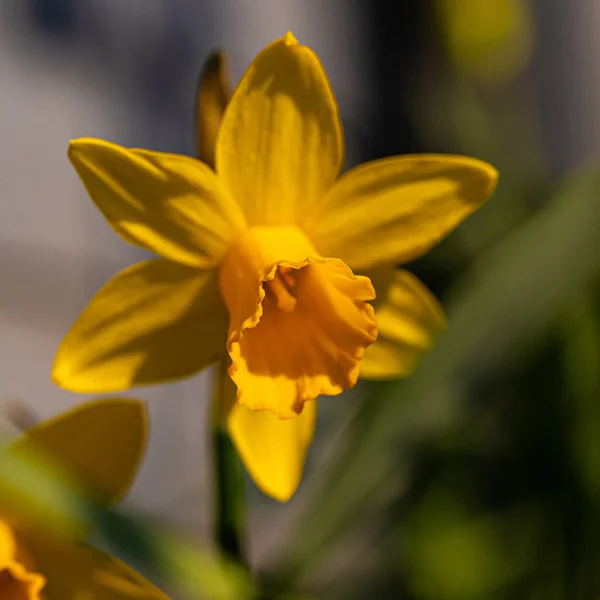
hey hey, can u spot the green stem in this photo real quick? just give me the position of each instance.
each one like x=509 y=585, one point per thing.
x=228 y=475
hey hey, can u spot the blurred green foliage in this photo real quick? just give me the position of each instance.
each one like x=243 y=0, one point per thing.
x=489 y=40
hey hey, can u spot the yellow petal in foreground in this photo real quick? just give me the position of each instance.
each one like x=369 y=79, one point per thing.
x=409 y=318
x=394 y=210
x=273 y=449
x=280 y=145
x=169 y=204
x=99 y=444
x=79 y=571
x=156 y=321
x=299 y=323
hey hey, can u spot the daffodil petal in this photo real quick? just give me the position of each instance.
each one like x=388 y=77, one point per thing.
x=280 y=145
x=273 y=450
x=156 y=321
x=409 y=318
x=79 y=571
x=169 y=204
x=100 y=443
x=395 y=209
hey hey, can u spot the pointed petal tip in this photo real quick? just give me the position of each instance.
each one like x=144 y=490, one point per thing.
x=478 y=163
x=281 y=495
x=80 y=141
x=280 y=489
x=81 y=144
x=73 y=146
x=62 y=376
x=494 y=175
x=289 y=39
x=59 y=375
x=471 y=161
x=68 y=380
x=490 y=171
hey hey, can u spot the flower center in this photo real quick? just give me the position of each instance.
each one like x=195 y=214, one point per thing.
x=281 y=289
x=298 y=322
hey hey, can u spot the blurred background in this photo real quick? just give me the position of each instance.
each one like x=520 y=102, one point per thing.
x=478 y=477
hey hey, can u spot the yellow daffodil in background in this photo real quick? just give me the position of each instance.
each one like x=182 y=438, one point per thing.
x=271 y=257
x=100 y=444
x=491 y=40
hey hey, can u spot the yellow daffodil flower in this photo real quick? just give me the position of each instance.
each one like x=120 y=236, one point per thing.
x=491 y=40
x=100 y=444
x=269 y=257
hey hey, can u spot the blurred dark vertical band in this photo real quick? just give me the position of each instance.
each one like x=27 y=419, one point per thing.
x=399 y=37
x=396 y=38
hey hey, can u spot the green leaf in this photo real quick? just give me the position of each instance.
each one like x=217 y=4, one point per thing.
x=581 y=328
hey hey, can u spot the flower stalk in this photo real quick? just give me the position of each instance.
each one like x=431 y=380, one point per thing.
x=228 y=476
